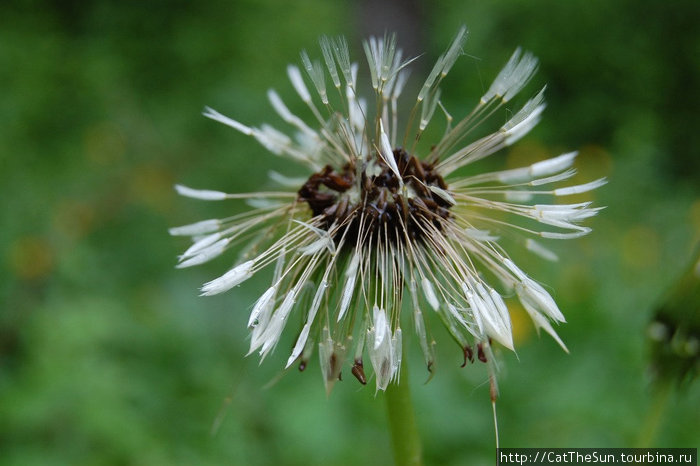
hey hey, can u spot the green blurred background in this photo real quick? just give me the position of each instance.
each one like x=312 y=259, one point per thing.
x=107 y=355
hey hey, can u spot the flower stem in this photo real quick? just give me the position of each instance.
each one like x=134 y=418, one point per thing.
x=654 y=417
x=402 y=422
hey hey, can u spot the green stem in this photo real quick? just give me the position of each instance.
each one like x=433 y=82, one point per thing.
x=655 y=416
x=402 y=422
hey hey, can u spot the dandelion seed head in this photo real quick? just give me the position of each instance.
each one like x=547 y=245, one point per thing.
x=382 y=233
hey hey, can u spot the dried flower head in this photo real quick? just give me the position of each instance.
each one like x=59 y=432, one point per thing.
x=378 y=229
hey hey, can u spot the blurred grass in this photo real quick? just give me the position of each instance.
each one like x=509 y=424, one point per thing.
x=108 y=357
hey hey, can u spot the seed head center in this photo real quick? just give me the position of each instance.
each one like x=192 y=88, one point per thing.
x=364 y=203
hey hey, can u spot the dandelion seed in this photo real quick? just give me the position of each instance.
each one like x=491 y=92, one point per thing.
x=375 y=219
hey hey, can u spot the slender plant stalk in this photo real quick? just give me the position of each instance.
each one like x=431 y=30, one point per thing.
x=402 y=422
x=654 y=417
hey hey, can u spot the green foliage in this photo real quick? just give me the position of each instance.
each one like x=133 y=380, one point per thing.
x=107 y=356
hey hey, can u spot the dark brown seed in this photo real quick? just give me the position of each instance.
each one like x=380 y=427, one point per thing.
x=337 y=182
x=482 y=355
x=359 y=372
x=468 y=355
